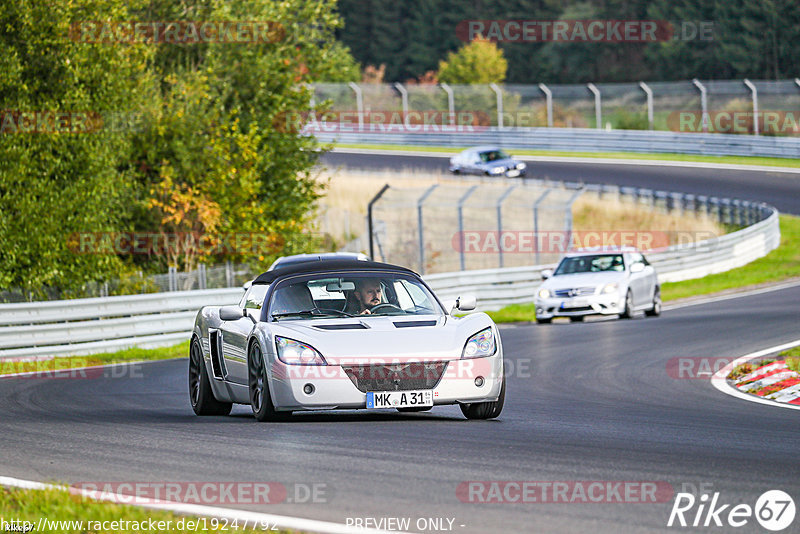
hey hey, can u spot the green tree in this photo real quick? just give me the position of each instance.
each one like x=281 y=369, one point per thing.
x=479 y=62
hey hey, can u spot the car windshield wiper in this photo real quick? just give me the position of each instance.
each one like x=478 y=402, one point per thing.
x=316 y=312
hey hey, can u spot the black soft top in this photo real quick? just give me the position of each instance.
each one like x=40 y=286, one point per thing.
x=324 y=266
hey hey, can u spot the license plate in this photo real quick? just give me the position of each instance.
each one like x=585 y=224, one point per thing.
x=399 y=399
x=574 y=303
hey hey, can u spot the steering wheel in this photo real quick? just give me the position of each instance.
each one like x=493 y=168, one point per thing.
x=386 y=307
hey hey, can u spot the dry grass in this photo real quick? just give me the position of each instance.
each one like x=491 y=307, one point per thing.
x=343 y=209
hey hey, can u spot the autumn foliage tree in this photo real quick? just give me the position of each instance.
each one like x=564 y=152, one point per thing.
x=480 y=61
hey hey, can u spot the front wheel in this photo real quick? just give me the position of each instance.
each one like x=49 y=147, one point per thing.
x=655 y=311
x=200 y=394
x=485 y=410
x=260 y=399
x=627 y=313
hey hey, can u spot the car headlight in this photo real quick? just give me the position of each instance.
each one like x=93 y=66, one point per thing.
x=611 y=288
x=479 y=345
x=497 y=170
x=521 y=166
x=544 y=293
x=293 y=352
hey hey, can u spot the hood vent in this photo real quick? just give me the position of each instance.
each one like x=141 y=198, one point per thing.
x=412 y=324
x=341 y=326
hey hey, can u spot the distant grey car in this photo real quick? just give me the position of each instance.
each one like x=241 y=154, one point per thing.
x=296 y=341
x=486 y=160
x=608 y=282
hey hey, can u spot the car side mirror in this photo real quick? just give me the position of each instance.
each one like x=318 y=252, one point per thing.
x=547 y=273
x=466 y=303
x=637 y=267
x=231 y=313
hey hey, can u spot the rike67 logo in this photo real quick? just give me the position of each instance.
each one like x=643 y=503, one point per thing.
x=774 y=510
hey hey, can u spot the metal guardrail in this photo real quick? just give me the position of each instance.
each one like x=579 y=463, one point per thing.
x=584 y=140
x=84 y=326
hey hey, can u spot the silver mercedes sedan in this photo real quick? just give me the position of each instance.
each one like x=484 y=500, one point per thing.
x=487 y=160
x=608 y=282
x=344 y=334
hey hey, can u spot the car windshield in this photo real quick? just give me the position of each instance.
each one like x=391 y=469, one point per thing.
x=493 y=155
x=590 y=264
x=350 y=295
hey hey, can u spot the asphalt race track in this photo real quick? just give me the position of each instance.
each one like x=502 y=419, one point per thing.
x=585 y=402
x=781 y=190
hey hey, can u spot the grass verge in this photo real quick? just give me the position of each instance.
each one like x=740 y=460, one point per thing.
x=729 y=160
x=780 y=264
x=88 y=515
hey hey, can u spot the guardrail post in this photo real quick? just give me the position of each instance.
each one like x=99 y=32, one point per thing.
x=451 y=102
x=703 y=103
x=500 y=222
x=754 y=91
x=461 y=224
x=598 y=117
x=649 y=93
x=536 y=240
x=499 y=95
x=370 y=229
x=548 y=95
x=420 y=228
x=404 y=99
x=359 y=104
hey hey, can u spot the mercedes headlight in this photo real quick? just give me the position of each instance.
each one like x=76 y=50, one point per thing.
x=611 y=288
x=293 y=352
x=544 y=293
x=521 y=166
x=480 y=345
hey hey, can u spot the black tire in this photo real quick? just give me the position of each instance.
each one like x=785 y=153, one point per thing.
x=544 y=321
x=655 y=311
x=627 y=313
x=412 y=409
x=485 y=410
x=576 y=318
x=200 y=395
x=258 y=385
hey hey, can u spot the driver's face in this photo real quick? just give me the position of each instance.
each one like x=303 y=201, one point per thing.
x=369 y=294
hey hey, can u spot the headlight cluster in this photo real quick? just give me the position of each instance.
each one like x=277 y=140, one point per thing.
x=544 y=293
x=480 y=345
x=293 y=352
x=611 y=288
x=497 y=170
x=521 y=166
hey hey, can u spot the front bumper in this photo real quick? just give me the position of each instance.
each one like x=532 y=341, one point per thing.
x=604 y=304
x=332 y=388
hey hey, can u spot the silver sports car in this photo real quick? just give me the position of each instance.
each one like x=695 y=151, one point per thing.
x=344 y=334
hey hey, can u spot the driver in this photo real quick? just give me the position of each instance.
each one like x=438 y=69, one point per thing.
x=367 y=295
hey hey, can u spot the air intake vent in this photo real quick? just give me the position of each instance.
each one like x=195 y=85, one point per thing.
x=412 y=324
x=339 y=326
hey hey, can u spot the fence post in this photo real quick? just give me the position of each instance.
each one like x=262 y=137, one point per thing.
x=754 y=91
x=461 y=223
x=536 y=240
x=548 y=95
x=370 y=230
x=703 y=103
x=568 y=215
x=451 y=103
x=598 y=117
x=173 y=282
x=404 y=98
x=201 y=278
x=649 y=93
x=228 y=274
x=500 y=222
x=359 y=104
x=420 y=227
x=499 y=95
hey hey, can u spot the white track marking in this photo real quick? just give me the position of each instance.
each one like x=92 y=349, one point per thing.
x=719 y=379
x=197 y=510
